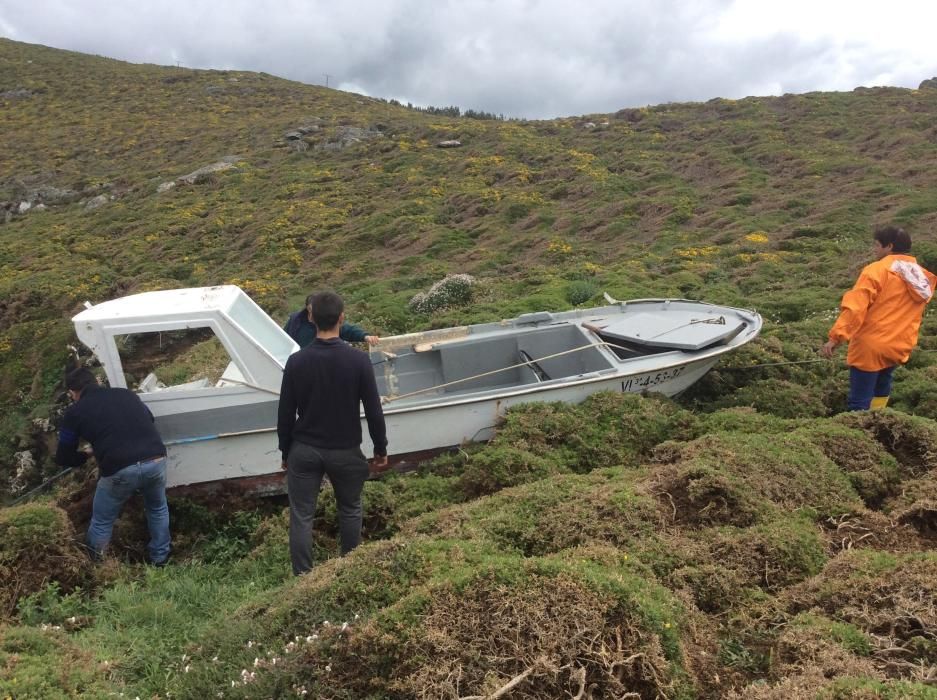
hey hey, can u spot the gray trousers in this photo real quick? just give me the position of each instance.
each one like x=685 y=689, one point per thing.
x=347 y=471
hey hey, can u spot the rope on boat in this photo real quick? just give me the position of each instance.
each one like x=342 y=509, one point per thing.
x=774 y=364
x=720 y=321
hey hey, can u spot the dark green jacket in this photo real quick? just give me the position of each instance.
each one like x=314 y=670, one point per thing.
x=303 y=331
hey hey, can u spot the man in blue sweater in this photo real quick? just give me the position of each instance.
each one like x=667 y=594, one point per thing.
x=319 y=429
x=301 y=327
x=130 y=454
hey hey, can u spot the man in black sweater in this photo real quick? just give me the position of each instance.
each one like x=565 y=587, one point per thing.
x=131 y=457
x=325 y=384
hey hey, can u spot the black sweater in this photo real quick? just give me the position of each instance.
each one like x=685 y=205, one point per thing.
x=118 y=425
x=326 y=383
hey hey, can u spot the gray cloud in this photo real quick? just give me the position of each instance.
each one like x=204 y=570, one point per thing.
x=528 y=58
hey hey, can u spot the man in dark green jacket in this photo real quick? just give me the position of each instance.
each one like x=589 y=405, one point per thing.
x=301 y=328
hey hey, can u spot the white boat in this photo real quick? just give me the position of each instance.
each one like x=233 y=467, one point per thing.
x=440 y=388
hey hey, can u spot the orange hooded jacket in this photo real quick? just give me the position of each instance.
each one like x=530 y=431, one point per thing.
x=880 y=316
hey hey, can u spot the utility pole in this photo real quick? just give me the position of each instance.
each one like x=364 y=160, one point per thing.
x=327 y=76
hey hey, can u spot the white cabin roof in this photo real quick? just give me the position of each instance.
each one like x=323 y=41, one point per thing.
x=258 y=347
x=169 y=303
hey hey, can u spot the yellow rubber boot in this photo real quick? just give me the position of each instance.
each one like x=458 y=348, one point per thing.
x=878 y=403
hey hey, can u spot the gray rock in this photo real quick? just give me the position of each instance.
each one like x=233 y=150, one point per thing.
x=96 y=202
x=24 y=207
x=52 y=195
x=588 y=125
x=166 y=186
x=18 y=94
x=451 y=143
x=39 y=207
x=348 y=135
x=293 y=135
x=225 y=163
x=298 y=146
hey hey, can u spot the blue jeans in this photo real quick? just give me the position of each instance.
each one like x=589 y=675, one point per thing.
x=863 y=386
x=113 y=491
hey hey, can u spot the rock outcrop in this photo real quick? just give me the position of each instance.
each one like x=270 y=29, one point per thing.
x=202 y=173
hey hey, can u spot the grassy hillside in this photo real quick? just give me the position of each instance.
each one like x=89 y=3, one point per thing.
x=752 y=543
x=764 y=202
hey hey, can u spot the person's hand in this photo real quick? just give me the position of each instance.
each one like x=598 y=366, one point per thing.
x=372 y=339
x=827 y=349
x=378 y=464
x=283 y=464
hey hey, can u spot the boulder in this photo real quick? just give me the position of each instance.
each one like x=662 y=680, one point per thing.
x=348 y=135
x=196 y=176
x=451 y=143
x=18 y=94
x=96 y=202
x=47 y=194
x=929 y=84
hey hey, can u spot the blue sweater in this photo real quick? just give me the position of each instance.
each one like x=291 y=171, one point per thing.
x=326 y=383
x=303 y=331
x=118 y=425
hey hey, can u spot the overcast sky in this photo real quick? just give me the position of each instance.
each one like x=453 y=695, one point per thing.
x=520 y=58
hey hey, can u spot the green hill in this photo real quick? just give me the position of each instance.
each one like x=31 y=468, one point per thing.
x=780 y=552
x=764 y=202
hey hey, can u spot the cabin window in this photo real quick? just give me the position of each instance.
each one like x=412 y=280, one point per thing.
x=188 y=358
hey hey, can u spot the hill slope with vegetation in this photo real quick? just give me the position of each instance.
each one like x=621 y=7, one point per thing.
x=752 y=543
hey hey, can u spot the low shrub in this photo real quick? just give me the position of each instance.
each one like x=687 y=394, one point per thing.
x=37 y=546
x=550 y=515
x=742 y=479
x=449 y=618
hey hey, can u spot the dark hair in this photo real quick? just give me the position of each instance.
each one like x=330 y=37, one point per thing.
x=309 y=299
x=78 y=379
x=897 y=238
x=326 y=309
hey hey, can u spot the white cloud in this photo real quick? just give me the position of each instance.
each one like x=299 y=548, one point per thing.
x=534 y=58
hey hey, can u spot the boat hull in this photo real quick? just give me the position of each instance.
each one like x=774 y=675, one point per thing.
x=411 y=430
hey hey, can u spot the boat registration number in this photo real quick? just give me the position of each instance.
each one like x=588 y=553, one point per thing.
x=646 y=381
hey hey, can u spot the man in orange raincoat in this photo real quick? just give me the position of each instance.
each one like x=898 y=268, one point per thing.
x=880 y=318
